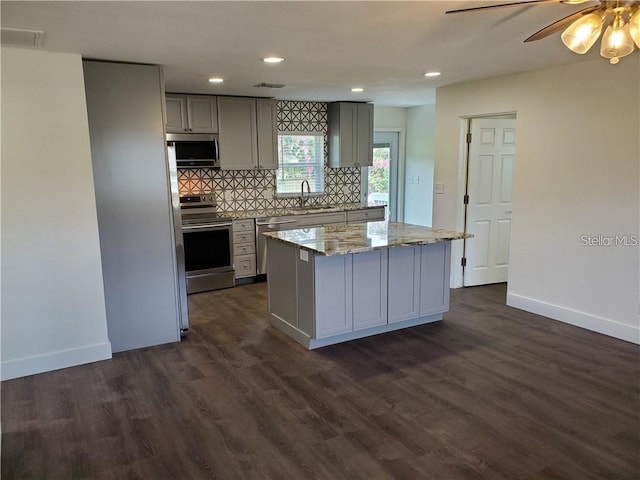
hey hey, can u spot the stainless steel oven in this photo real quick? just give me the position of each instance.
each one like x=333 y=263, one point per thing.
x=208 y=245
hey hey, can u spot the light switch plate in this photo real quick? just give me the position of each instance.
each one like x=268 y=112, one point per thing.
x=439 y=187
x=304 y=255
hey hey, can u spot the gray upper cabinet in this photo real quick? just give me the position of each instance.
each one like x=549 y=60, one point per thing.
x=238 y=133
x=350 y=134
x=248 y=133
x=176 y=110
x=267 y=133
x=191 y=114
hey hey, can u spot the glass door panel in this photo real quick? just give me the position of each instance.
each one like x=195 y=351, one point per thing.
x=379 y=183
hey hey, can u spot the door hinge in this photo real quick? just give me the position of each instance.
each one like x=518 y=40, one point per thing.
x=466 y=199
x=463 y=262
x=468 y=137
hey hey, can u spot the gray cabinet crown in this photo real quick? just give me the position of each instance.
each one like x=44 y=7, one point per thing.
x=350 y=134
x=191 y=114
x=248 y=133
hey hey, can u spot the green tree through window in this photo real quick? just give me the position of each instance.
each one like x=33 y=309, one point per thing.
x=300 y=157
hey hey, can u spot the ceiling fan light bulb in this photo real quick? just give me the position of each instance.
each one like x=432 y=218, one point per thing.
x=634 y=27
x=583 y=33
x=616 y=41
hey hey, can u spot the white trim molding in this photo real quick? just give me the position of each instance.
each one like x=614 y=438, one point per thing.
x=21 y=367
x=606 y=326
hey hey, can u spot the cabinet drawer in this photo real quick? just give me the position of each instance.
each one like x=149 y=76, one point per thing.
x=245 y=266
x=244 y=237
x=366 y=215
x=316 y=219
x=240 y=226
x=244 y=249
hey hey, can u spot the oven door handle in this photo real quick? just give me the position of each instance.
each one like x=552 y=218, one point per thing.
x=209 y=226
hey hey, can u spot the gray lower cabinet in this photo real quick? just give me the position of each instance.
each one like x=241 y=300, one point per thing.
x=370 y=289
x=333 y=279
x=320 y=300
x=351 y=216
x=404 y=276
x=244 y=248
x=319 y=219
x=350 y=292
x=434 y=265
x=418 y=281
x=367 y=215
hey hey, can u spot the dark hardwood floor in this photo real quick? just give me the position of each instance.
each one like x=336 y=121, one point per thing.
x=490 y=393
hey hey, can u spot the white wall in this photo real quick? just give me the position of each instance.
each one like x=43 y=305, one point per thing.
x=53 y=309
x=418 y=200
x=389 y=118
x=576 y=173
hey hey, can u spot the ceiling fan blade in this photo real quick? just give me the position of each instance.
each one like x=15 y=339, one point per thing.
x=560 y=24
x=502 y=5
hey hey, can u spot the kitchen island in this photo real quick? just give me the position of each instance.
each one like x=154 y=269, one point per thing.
x=336 y=283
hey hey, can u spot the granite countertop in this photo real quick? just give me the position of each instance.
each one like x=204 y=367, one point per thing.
x=279 y=212
x=363 y=237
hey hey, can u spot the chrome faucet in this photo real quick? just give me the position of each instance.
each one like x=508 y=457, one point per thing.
x=302 y=199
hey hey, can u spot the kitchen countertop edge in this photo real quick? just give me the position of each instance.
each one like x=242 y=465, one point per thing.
x=349 y=239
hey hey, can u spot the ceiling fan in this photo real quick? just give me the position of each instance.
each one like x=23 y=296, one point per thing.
x=621 y=19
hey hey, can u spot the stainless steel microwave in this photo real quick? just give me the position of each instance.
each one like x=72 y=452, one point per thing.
x=194 y=150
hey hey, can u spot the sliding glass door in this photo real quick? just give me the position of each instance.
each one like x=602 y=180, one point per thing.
x=380 y=182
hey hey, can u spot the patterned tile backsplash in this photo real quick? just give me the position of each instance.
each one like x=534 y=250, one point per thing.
x=255 y=189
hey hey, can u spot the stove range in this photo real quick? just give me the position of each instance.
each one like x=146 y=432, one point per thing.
x=200 y=209
x=208 y=244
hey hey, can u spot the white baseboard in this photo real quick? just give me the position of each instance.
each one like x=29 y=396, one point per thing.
x=606 y=326
x=22 y=367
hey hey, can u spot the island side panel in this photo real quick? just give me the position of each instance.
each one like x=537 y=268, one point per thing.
x=306 y=288
x=434 y=282
x=281 y=281
x=404 y=283
x=334 y=298
x=370 y=289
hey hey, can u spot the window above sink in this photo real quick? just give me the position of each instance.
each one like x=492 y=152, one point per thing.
x=300 y=158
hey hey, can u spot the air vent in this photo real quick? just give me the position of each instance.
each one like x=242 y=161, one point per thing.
x=269 y=85
x=20 y=37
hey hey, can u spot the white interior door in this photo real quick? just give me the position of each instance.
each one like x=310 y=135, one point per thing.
x=489 y=189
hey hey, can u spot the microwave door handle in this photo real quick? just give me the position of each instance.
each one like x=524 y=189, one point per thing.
x=217 y=147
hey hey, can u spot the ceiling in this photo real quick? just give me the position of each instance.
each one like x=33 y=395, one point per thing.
x=329 y=47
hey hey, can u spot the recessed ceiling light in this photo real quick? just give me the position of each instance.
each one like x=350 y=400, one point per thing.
x=432 y=74
x=273 y=59
x=216 y=80
x=357 y=89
